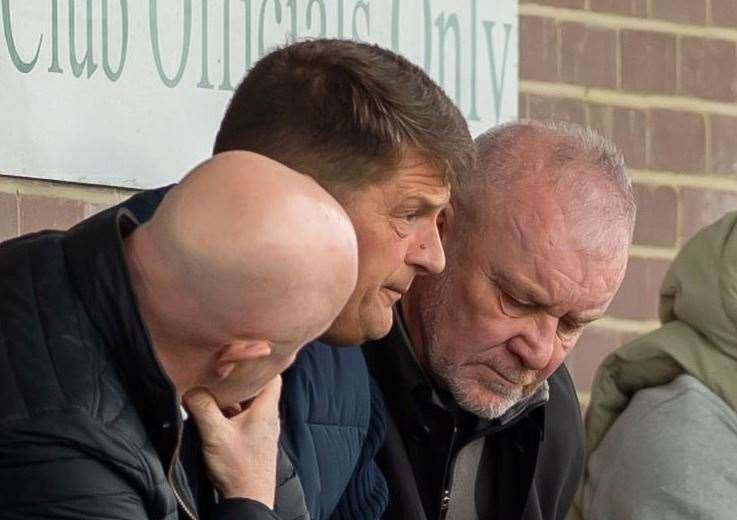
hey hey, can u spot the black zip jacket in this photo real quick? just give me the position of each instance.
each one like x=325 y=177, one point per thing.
x=89 y=424
x=526 y=464
x=332 y=426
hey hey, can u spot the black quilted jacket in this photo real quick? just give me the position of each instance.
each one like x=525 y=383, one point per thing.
x=89 y=424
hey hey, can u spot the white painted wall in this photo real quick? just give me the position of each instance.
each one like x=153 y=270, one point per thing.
x=131 y=92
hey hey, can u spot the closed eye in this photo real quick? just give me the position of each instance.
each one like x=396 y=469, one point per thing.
x=513 y=307
x=570 y=329
x=567 y=326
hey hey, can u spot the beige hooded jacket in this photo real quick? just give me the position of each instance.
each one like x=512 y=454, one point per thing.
x=698 y=336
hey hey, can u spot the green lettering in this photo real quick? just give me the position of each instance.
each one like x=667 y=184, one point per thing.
x=340 y=18
x=363 y=6
x=23 y=66
x=293 y=16
x=204 y=79
x=323 y=15
x=497 y=84
x=473 y=113
x=78 y=66
x=225 y=84
x=154 y=28
x=443 y=28
x=114 y=75
x=277 y=16
x=427 y=9
x=395 y=26
x=248 y=41
x=54 y=67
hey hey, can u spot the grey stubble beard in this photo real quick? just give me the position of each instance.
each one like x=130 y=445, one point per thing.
x=433 y=303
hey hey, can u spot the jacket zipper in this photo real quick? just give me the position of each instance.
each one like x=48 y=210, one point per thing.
x=450 y=461
x=170 y=475
x=447 y=481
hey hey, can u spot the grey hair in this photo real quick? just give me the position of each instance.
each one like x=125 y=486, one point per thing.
x=576 y=160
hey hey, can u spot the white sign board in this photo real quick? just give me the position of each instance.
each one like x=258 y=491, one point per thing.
x=131 y=92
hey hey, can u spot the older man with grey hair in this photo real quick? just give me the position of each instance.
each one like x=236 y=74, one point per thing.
x=483 y=417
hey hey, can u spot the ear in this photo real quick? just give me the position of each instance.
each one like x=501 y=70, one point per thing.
x=233 y=353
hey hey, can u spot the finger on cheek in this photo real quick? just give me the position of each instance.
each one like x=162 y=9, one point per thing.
x=203 y=407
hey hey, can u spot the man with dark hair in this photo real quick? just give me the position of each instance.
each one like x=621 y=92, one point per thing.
x=386 y=142
x=484 y=421
x=377 y=133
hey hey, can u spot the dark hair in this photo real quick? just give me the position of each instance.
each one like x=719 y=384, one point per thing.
x=345 y=113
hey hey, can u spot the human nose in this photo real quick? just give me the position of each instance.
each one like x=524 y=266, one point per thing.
x=427 y=252
x=535 y=343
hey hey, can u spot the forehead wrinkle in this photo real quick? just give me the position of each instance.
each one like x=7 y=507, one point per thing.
x=564 y=286
x=558 y=284
x=432 y=194
x=533 y=225
x=429 y=192
x=596 y=294
x=518 y=232
x=423 y=179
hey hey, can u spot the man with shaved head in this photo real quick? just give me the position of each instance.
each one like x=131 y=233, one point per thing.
x=484 y=419
x=107 y=328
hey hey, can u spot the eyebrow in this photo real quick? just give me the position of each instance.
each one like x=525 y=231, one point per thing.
x=426 y=201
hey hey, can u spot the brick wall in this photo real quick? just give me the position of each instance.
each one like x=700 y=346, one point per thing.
x=30 y=205
x=660 y=78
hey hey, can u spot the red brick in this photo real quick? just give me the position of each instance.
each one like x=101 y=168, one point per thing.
x=677 y=141
x=724 y=13
x=8 y=216
x=626 y=127
x=699 y=208
x=592 y=347
x=624 y=7
x=571 y=4
x=541 y=107
x=638 y=297
x=522 y=106
x=648 y=62
x=657 y=215
x=709 y=68
x=723 y=144
x=601 y=119
x=682 y=11
x=538 y=58
x=39 y=212
x=588 y=55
